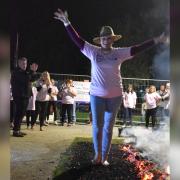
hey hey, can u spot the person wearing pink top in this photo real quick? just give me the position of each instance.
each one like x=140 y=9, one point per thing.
x=106 y=82
x=129 y=102
x=67 y=94
x=152 y=98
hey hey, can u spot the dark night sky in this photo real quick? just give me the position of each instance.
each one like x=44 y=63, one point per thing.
x=45 y=41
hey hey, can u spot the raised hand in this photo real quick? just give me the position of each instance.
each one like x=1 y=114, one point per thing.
x=62 y=16
x=161 y=39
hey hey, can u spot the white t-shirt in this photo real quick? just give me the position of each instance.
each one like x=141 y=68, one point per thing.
x=67 y=96
x=32 y=99
x=151 y=99
x=106 y=79
x=43 y=94
x=53 y=97
x=129 y=99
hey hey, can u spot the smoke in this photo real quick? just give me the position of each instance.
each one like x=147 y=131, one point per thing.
x=155 y=144
x=174 y=160
x=161 y=9
x=161 y=61
x=161 y=64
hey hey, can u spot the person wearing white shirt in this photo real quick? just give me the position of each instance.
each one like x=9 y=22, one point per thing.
x=152 y=98
x=53 y=101
x=129 y=102
x=106 y=82
x=68 y=93
x=43 y=97
x=31 y=109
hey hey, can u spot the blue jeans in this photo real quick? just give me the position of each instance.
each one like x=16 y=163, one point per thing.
x=127 y=115
x=104 y=111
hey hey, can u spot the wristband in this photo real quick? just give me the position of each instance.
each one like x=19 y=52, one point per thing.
x=67 y=23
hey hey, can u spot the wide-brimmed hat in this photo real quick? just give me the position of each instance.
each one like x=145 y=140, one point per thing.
x=106 y=31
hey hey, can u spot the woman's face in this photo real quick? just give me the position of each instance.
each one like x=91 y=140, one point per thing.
x=44 y=76
x=152 y=89
x=162 y=87
x=68 y=85
x=106 y=42
x=130 y=88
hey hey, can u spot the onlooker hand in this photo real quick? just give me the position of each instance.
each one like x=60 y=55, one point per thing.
x=161 y=39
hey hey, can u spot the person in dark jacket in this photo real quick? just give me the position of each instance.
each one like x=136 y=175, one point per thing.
x=21 y=91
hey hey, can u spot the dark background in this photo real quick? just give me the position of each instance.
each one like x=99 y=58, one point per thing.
x=44 y=40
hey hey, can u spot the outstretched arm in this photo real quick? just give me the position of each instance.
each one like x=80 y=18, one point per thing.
x=147 y=44
x=63 y=16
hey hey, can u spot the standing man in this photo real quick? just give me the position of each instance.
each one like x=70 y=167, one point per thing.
x=21 y=91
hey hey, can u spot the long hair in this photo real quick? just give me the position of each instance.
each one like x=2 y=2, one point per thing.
x=45 y=76
x=130 y=91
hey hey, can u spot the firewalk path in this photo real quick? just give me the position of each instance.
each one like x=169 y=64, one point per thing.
x=36 y=155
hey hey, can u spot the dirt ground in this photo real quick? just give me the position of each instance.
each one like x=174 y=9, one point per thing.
x=36 y=155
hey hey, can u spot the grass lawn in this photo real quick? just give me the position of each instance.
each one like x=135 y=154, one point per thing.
x=83 y=117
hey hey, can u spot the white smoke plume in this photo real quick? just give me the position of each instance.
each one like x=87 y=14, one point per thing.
x=161 y=61
x=155 y=144
x=161 y=64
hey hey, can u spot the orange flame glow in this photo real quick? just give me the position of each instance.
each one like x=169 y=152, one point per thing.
x=144 y=167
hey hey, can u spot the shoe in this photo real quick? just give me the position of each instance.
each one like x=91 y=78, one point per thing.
x=105 y=163
x=68 y=124
x=45 y=124
x=32 y=127
x=72 y=123
x=17 y=134
x=23 y=133
x=41 y=129
x=55 y=122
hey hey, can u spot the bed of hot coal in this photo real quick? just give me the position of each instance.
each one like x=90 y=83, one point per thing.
x=125 y=164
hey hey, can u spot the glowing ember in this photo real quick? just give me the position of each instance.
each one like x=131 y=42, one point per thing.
x=147 y=170
x=148 y=176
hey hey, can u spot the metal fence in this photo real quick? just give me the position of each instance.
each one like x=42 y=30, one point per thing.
x=138 y=84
